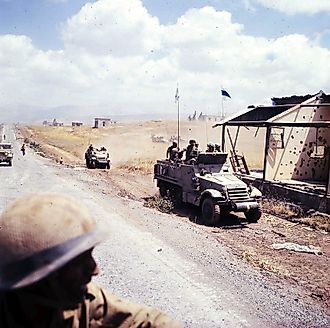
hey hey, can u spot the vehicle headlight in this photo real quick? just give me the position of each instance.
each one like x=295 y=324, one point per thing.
x=254 y=192
x=223 y=193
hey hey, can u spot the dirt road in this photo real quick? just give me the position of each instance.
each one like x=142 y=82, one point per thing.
x=165 y=260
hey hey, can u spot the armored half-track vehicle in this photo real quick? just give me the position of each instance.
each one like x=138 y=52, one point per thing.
x=6 y=153
x=97 y=158
x=158 y=138
x=208 y=182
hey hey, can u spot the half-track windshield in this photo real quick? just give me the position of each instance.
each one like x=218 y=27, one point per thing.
x=211 y=158
x=4 y=146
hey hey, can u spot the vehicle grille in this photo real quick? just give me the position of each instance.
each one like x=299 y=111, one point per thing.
x=238 y=194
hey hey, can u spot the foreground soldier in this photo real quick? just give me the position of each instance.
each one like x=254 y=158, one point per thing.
x=46 y=243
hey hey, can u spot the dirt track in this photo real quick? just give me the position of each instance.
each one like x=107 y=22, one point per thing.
x=308 y=273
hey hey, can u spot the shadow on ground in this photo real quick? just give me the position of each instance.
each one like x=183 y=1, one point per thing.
x=228 y=221
x=193 y=213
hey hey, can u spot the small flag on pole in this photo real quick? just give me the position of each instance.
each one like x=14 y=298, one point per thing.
x=177 y=95
x=224 y=93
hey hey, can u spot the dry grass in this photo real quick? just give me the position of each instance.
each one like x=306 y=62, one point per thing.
x=318 y=221
x=296 y=214
x=281 y=208
x=161 y=204
x=133 y=140
x=263 y=263
x=137 y=165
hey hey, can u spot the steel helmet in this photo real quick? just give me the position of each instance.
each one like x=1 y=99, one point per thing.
x=39 y=234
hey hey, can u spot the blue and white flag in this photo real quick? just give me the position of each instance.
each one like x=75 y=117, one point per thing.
x=177 y=95
x=224 y=93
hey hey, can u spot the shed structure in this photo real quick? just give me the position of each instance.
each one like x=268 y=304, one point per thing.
x=102 y=122
x=76 y=123
x=296 y=145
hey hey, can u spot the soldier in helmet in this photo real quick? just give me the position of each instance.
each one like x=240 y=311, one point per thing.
x=189 y=149
x=172 y=150
x=46 y=243
x=217 y=147
x=90 y=148
x=210 y=147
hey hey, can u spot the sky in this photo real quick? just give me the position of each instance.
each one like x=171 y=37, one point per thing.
x=73 y=59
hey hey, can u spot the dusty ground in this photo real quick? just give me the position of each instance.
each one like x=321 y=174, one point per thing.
x=133 y=153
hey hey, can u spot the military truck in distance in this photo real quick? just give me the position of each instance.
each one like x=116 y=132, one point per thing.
x=97 y=158
x=6 y=153
x=208 y=182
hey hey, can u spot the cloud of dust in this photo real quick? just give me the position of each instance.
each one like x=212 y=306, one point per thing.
x=133 y=141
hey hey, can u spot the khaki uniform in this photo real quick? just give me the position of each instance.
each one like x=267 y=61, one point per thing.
x=100 y=309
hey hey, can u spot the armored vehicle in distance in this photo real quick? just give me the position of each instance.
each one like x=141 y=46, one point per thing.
x=97 y=158
x=208 y=182
x=6 y=153
x=158 y=138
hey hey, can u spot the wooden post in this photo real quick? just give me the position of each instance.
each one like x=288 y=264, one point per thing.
x=223 y=137
x=266 y=152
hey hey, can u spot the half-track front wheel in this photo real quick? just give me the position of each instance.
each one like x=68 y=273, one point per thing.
x=253 y=215
x=210 y=211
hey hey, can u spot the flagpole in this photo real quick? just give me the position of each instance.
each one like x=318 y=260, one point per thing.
x=178 y=122
x=222 y=109
x=177 y=100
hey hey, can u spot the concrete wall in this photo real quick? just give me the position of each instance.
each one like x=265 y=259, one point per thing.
x=296 y=160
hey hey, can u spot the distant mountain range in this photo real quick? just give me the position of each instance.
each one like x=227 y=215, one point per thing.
x=67 y=114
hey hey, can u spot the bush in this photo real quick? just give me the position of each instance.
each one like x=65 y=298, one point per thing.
x=161 y=204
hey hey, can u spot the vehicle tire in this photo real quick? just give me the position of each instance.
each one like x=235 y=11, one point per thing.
x=87 y=163
x=92 y=165
x=225 y=212
x=253 y=215
x=107 y=166
x=10 y=163
x=163 y=190
x=210 y=211
x=176 y=196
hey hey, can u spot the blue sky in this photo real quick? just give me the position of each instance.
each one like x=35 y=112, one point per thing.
x=42 y=19
x=129 y=55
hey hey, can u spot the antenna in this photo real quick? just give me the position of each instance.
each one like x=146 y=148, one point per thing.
x=177 y=100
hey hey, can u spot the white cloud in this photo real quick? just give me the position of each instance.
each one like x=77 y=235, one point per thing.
x=117 y=56
x=117 y=28
x=293 y=7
